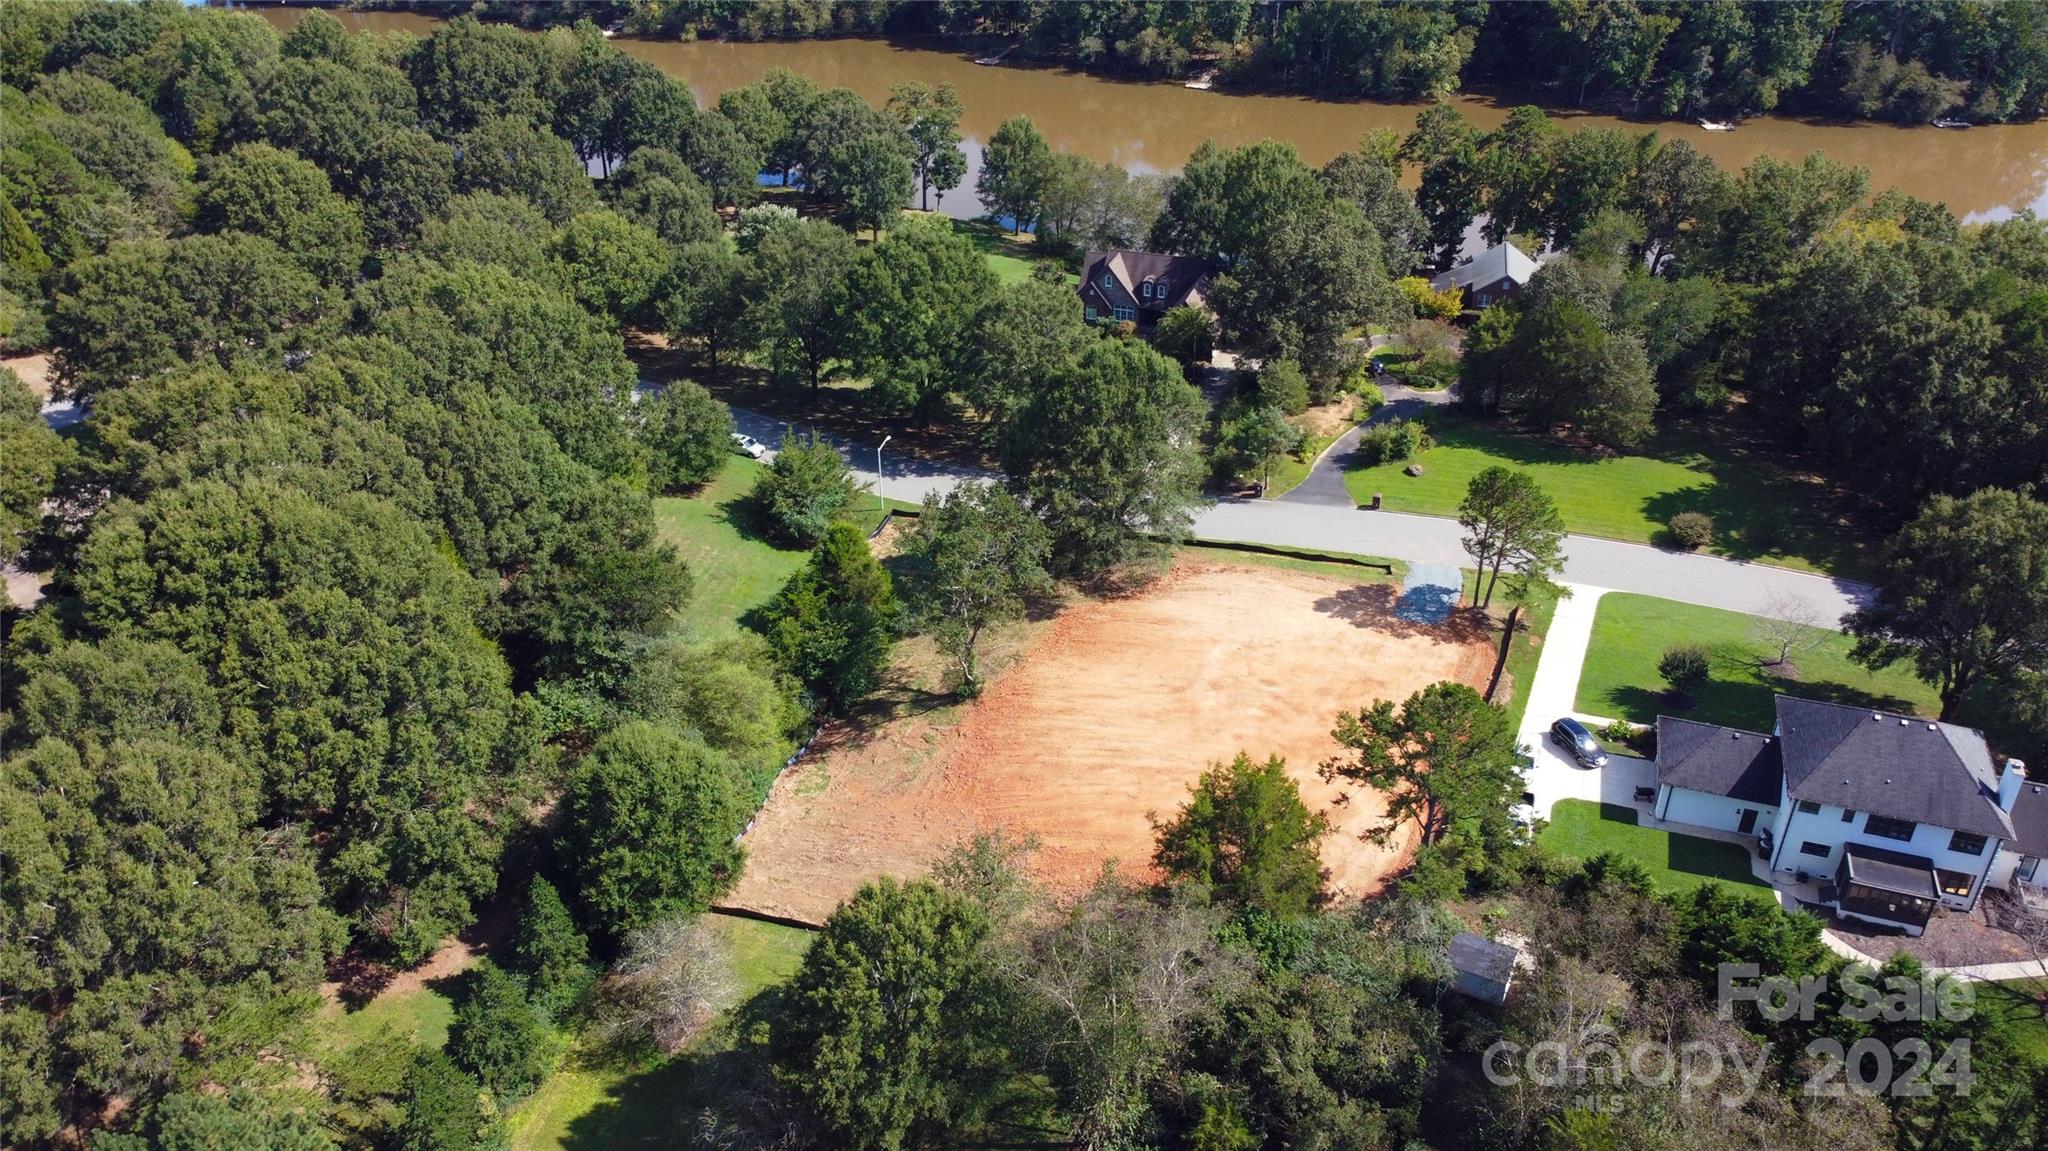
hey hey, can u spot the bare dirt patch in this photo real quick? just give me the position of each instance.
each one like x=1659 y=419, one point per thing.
x=1116 y=708
x=1328 y=421
x=34 y=370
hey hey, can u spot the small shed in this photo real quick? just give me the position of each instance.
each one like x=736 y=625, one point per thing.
x=1481 y=967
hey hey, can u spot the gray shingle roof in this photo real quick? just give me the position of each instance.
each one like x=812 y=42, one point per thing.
x=2030 y=819
x=1502 y=261
x=1719 y=760
x=1893 y=765
x=1477 y=955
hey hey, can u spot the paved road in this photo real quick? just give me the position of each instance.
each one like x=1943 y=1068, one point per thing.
x=1325 y=482
x=1701 y=579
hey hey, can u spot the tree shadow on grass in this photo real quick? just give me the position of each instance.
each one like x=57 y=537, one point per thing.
x=1377 y=606
x=1691 y=855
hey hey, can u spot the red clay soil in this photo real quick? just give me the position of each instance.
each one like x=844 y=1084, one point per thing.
x=1105 y=722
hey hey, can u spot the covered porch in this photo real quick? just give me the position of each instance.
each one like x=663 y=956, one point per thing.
x=1885 y=887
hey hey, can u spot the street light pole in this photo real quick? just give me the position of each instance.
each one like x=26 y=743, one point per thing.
x=880 y=499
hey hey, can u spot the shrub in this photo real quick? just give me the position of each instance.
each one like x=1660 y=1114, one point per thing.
x=833 y=623
x=497 y=1036
x=1685 y=667
x=1370 y=397
x=1186 y=334
x=1691 y=530
x=804 y=490
x=1392 y=442
x=1282 y=385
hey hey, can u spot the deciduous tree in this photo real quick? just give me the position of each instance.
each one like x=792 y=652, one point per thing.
x=1016 y=165
x=983 y=555
x=1445 y=762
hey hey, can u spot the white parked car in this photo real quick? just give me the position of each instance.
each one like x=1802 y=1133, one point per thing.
x=749 y=445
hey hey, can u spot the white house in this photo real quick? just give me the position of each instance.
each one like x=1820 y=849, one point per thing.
x=1889 y=814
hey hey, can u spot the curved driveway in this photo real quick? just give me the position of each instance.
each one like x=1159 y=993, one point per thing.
x=1689 y=577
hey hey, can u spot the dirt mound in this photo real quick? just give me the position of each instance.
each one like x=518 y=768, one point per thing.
x=1116 y=709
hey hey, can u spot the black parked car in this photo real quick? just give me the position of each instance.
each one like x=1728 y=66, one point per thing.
x=1572 y=735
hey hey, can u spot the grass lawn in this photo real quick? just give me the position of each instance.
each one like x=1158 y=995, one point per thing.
x=594 y=1102
x=1301 y=561
x=1631 y=632
x=1582 y=829
x=1760 y=511
x=421 y=1015
x=1010 y=257
x=1523 y=656
x=732 y=570
x=2024 y=1004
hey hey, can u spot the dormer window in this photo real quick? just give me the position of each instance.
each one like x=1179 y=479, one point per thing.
x=1107 y=279
x=1145 y=290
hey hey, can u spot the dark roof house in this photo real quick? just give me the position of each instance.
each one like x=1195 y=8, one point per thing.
x=1719 y=760
x=1891 y=765
x=1120 y=284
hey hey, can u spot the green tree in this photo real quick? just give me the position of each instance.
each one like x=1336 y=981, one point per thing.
x=910 y=331
x=931 y=118
x=688 y=435
x=243 y=1119
x=1512 y=524
x=1299 y=291
x=1445 y=762
x=30 y=454
x=805 y=490
x=442 y=1110
x=1189 y=336
x=611 y=264
x=982 y=556
x=1105 y=452
x=407 y=179
x=832 y=625
x=1023 y=333
x=804 y=311
x=469 y=72
x=148 y=305
x=1230 y=203
x=549 y=950
x=1446 y=147
x=657 y=188
x=1370 y=178
x=516 y=157
x=325 y=112
x=497 y=1035
x=260 y=190
x=877 y=1031
x=653 y=818
x=1255 y=439
x=728 y=689
x=1962 y=592
x=1246 y=835
x=1016 y=165
x=711 y=300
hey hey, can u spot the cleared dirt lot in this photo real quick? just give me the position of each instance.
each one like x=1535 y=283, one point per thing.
x=1118 y=706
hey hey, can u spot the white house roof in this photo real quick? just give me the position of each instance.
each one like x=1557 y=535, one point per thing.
x=1502 y=261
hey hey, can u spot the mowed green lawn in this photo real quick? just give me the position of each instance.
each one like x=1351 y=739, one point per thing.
x=1582 y=829
x=1632 y=632
x=1759 y=511
x=731 y=571
x=2024 y=1004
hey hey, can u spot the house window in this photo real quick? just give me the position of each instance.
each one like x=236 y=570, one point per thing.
x=1107 y=280
x=1125 y=313
x=1808 y=807
x=1818 y=850
x=1482 y=299
x=1848 y=816
x=1091 y=312
x=1964 y=843
x=1956 y=883
x=1145 y=290
x=1901 y=829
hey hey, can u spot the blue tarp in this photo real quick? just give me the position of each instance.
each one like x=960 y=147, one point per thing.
x=1430 y=593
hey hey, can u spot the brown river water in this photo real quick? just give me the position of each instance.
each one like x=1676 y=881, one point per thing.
x=1152 y=126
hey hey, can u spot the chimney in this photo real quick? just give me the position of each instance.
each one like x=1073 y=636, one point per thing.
x=2009 y=783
